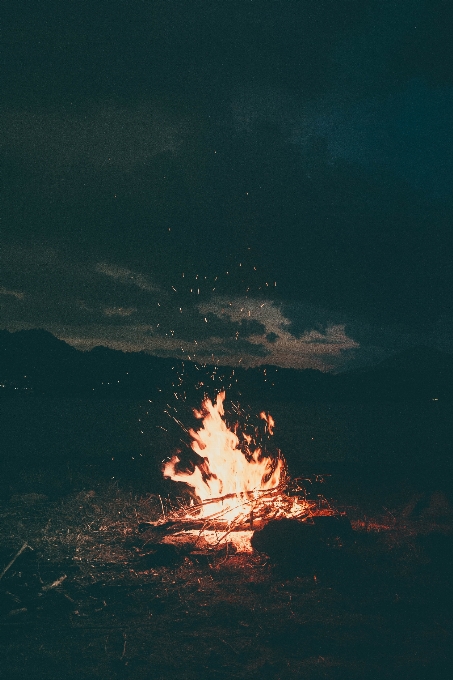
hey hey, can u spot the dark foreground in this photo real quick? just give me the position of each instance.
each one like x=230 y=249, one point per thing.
x=81 y=602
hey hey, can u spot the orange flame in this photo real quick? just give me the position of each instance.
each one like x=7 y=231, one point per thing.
x=225 y=475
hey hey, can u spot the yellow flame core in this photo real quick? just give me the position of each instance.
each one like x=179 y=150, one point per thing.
x=226 y=473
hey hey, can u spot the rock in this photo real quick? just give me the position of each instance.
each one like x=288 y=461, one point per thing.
x=291 y=542
x=306 y=545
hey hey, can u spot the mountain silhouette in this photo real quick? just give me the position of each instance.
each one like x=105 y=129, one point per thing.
x=36 y=362
x=419 y=359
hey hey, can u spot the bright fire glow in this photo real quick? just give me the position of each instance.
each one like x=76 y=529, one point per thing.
x=226 y=481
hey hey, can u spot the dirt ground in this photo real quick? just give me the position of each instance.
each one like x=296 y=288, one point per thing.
x=84 y=600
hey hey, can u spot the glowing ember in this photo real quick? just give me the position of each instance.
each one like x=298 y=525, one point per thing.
x=237 y=484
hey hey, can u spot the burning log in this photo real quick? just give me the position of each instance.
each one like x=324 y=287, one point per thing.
x=195 y=524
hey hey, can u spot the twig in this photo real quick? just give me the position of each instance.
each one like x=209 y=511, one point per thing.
x=231 y=527
x=162 y=506
x=25 y=545
x=225 y=642
x=124 y=646
x=56 y=583
x=201 y=531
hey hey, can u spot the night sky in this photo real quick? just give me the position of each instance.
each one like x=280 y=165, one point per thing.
x=243 y=182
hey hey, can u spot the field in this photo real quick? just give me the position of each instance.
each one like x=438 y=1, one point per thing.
x=84 y=599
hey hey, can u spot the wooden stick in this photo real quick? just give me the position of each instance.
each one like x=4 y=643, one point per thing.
x=55 y=584
x=25 y=545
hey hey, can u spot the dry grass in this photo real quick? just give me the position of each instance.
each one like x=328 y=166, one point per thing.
x=83 y=603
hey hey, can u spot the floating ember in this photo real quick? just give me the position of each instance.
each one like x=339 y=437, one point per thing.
x=239 y=487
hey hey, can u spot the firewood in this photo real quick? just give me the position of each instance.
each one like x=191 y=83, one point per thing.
x=18 y=554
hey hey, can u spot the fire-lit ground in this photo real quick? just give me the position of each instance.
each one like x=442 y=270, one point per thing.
x=85 y=601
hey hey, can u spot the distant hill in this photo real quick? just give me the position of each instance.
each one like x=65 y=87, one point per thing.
x=35 y=362
x=419 y=359
x=416 y=373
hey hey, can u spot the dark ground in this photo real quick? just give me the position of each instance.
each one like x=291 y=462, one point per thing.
x=81 y=601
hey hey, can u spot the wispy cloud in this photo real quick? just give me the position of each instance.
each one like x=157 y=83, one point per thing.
x=14 y=293
x=126 y=276
x=322 y=348
x=107 y=137
x=119 y=311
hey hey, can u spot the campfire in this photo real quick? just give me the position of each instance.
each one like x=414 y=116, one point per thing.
x=237 y=486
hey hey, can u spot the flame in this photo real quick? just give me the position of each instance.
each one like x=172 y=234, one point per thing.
x=226 y=480
x=238 y=487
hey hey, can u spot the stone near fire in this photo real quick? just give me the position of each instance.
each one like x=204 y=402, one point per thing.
x=305 y=544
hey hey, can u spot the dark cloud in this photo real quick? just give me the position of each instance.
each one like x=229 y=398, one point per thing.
x=104 y=303
x=427 y=50
x=106 y=138
x=57 y=290
x=190 y=324
x=163 y=154
x=409 y=133
x=272 y=337
x=171 y=46
x=384 y=340
x=364 y=61
x=241 y=349
x=304 y=317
